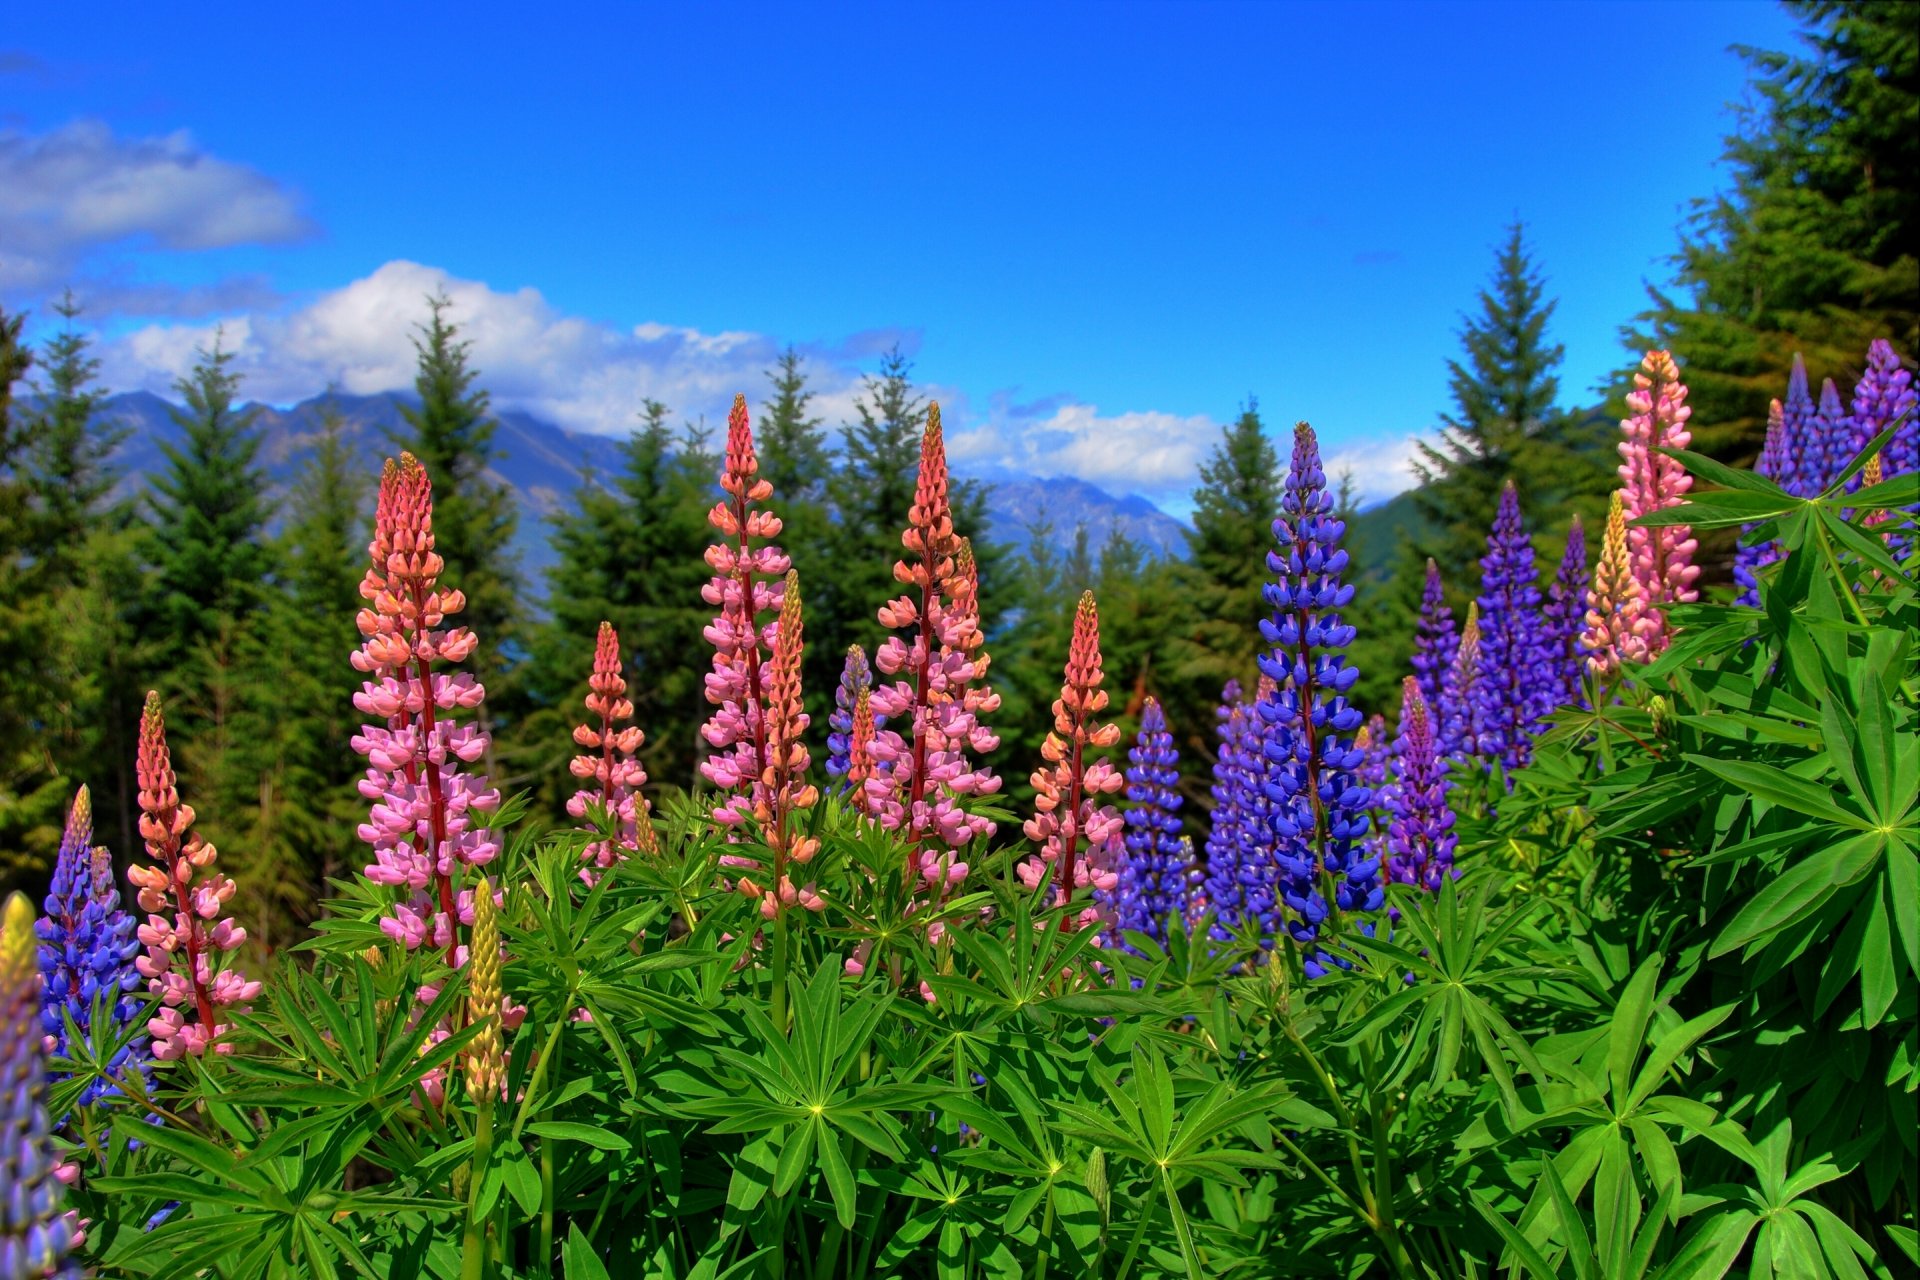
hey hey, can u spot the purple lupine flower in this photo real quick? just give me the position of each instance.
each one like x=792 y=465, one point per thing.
x=1420 y=838
x=1514 y=685
x=1320 y=815
x=1830 y=441
x=1565 y=616
x=855 y=676
x=1775 y=463
x=1463 y=731
x=1240 y=873
x=1799 y=463
x=86 y=953
x=1155 y=860
x=34 y=1235
x=1883 y=395
x=1434 y=639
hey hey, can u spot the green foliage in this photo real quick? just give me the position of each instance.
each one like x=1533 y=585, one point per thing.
x=1233 y=513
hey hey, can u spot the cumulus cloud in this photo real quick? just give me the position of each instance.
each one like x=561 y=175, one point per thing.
x=1380 y=468
x=70 y=195
x=1148 y=452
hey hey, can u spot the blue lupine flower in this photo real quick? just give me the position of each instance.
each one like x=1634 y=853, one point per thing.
x=1798 y=462
x=1240 y=870
x=87 y=946
x=1320 y=809
x=1566 y=617
x=1155 y=861
x=1463 y=729
x=1434 y=640
x=1516 y=690
x=1776 y=464
x=34 y=1235
x=1420 y=836
x=1830 y=441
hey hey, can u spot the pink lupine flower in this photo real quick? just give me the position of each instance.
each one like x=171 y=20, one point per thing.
x=1613 y=602
x=610 y=766
x=784 y=792
x=1079 y=837
x=920 y=775
x=185 y=933
x=1661 y=559
x=746 y=582
x=422 y=822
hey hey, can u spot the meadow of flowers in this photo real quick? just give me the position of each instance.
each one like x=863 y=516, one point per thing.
x=1601 y=960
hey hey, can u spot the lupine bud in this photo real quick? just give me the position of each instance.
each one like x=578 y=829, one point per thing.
x=483 y=1064
x=1155 y=862
x=1420 y=837
x=746 y=584
x=1320 y=814
x=87 y=950
x=34 y=1236
x=182 y=964
x=784 y=793
x=1661 y=558
x=1565 y=615
x=610 y=764
x=1612 y=600
x=422 y=826
x=1517 y=683
x=1078 y=836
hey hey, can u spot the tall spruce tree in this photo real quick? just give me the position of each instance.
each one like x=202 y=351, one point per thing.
x=791 y=444
x=1812 y=247
x=793 y=457
x=208 y=512
x=71 y=475
x=451 y=432
x=1234 y=508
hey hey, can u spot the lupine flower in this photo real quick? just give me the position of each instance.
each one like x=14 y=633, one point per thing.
x=611 y=763
x=1661 y=558
x=1078 y=836
x=1831 y=439
x=746 y=583
x=422 y=825
x=1155 y=861
x=1884 y=395
x=1517 y=683
x=1776 y=465
x=1612 y=601
x=87 y=949
x=185 y=900
x=1565 y=616
x=860 y=749
x=856 y=677
x=932 y=708
x=1435 y=641
x=1320 y=816
x=1375 y=748
x=34 y=1235
x=1464 y=732
x=1242 y=876
x=1420 y=838
x=1799 y=461
x=785 y=793
x=483 y=1065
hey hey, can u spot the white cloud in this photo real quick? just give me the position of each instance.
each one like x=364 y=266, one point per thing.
x=1380 y=468
x=70 y=194
x=1147 y=452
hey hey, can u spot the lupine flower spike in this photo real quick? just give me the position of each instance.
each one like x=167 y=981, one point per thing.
x=1078 y=836
x=1420 y=837
x=746 y=583
x=1434 y=639
x=1463 y=733
x=484 y=1064
x=1517 y=682
x=423 y=823
x=185 y=933
x=610 y=763
x=856 y=677
x=785 y=794
x=1800 y=461
x=87 y=950
x=1155 y=864
x=928 y=717
x=1613 y=600
x=1241 y=874
x=1775 y=465
x=1661 y=558
x=1832 y=439
x=1885 y=395
x=34 y=1236
x=1565 y=616
x=860 y=764
x=1320 y=816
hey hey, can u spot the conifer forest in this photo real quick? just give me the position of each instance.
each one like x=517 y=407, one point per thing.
x=797 y=876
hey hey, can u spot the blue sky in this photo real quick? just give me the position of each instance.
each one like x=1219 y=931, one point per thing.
x=1096 y=227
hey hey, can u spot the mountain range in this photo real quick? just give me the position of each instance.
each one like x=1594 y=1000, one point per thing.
x=544 y=465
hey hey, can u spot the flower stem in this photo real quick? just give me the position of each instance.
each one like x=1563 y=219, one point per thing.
x=473 y=1246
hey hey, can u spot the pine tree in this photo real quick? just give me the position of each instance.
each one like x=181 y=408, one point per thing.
x=451 y=432
x=208 y=513
x=1233 y=513
x=871 y=492
x=1812 y=248
x=71 y=447
x=791 y=445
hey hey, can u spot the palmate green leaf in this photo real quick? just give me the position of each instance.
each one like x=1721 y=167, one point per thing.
x=1721 y=510
x=1777 y=786
x=1799 y=891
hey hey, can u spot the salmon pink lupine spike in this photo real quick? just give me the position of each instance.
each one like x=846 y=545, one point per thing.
x=423 y=823
x=1613 y=598
x=932 y=708
x=1078 y=836
x=1661 y=559
x=185 y=901
x=785 y=794
x=609 y=765
x=860 y=750
x=748 y=570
